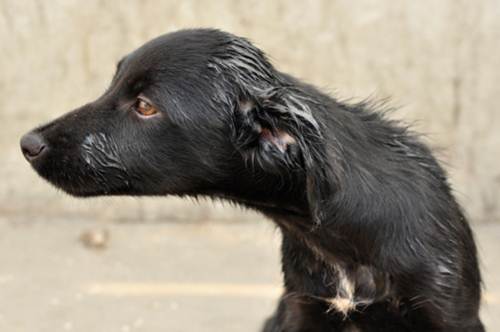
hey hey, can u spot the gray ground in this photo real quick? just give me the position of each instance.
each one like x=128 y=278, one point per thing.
x=157 y=277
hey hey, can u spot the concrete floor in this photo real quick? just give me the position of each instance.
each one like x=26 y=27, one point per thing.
x=157 y=277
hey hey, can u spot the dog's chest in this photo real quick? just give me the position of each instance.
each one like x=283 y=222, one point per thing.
x=343 y=287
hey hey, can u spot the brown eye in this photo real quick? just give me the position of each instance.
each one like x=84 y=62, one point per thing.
x=144 y=108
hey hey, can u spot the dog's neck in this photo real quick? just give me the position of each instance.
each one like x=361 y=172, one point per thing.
x=274 y=196
x=270 y=208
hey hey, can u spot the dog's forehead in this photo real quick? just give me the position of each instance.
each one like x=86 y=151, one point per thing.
x=185 y=46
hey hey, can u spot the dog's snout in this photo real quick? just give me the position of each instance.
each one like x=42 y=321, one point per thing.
x=32 y=146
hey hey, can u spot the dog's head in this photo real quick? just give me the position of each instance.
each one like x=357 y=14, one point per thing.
x=183 y=113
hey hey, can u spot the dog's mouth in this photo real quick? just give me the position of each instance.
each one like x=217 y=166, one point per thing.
x=83 y=181
x=78 y=155
x=90 y=168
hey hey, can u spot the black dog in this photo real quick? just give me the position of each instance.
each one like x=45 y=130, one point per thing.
x=373 y=239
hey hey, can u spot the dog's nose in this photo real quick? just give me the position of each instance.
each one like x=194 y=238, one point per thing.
x=33 y=146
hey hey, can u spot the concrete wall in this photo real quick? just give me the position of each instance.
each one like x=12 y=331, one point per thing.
x=438 y=59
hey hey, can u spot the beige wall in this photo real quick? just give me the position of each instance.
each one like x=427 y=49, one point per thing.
x=438 y=59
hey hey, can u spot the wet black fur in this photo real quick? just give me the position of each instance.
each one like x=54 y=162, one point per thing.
x=357 y=197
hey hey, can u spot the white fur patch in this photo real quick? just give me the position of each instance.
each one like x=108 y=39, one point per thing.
x=246 y=106
x=344 y=302
x=99 y=151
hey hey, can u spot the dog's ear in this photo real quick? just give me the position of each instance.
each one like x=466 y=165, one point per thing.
x=279 y=133
x=320 y=188
x=264 y=137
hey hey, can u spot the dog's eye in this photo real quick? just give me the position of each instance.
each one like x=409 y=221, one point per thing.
x=144 y=107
